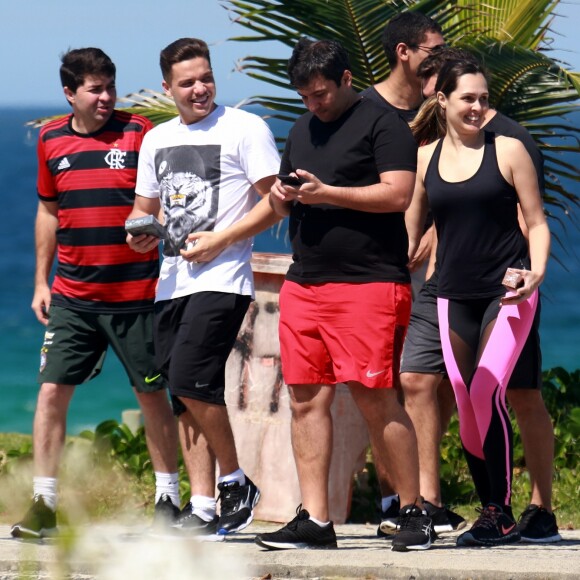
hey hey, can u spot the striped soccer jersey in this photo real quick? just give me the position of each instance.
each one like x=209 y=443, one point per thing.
x=92 y=179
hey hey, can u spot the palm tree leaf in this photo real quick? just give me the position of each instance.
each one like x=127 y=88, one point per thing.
x=521 y=76
x=37 y=123
x=156 y=106
x=356 y=24
x=524 y=22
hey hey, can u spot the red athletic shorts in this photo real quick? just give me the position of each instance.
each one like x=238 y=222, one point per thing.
x=339 y=332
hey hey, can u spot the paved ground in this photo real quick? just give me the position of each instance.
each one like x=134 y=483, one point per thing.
x=117 y=552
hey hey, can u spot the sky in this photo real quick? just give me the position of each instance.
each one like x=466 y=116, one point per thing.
x=34 y=33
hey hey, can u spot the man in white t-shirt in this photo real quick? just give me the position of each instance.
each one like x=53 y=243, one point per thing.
x=201 y=171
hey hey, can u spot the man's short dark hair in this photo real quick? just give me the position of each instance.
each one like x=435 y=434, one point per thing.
x=433 y=63
x=312 y=58
x=180 y=50
x=81 y=62
x=408 y=28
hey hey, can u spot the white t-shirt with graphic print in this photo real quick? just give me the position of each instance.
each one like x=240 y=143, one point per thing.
x=203 y=174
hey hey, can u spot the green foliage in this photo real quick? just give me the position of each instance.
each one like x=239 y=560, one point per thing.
x=562 y=395
x=456 y=484
x=113 y=441
x=14 y=451
x=115 y=444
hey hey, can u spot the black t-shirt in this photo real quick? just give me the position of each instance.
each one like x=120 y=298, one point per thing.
x=334 y=244
x=477 y=227
x=372 y=94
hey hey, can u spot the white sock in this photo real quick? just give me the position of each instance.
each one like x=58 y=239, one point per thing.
x=237 y=475
x=203 y=507
x=46 y=487
x=318 y=522
x=387 y=502
x=167 y=483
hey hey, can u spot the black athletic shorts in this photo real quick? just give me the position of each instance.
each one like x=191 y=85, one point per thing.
x=422 y=351
x=194 y=336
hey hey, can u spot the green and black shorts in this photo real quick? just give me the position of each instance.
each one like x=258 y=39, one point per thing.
x=76 y=343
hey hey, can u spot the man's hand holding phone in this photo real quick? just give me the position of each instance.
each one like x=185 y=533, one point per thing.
x=305 y=188
x=290 y=179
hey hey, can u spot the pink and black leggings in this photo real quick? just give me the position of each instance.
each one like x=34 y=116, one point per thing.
x=481 y=344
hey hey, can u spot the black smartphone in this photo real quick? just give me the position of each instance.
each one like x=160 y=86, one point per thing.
x=290 y=179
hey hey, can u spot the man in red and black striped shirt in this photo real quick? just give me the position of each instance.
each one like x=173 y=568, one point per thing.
x=102 y=293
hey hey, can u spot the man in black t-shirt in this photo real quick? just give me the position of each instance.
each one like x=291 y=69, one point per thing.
x=345 y=304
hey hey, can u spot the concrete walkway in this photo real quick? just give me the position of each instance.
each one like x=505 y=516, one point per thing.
x=112 y=552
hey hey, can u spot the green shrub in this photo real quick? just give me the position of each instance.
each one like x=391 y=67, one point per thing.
x=113 y=441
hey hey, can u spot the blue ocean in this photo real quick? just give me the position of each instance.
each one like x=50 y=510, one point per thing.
x=109 y=394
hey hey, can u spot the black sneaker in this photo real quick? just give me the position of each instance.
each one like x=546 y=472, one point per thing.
x=492 y=528
x=192 y=525
x=444 y=520
x=389 y=520
x=414 y=531
x=301 y=532
x=237 y=504
x=166 y=512
x=39 y=521
x=539 y=526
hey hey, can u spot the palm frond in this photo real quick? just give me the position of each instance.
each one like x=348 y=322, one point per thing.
x=356 y=24
x=37 y=123
x=154 y=105
x=524 y=22
x=520 y=76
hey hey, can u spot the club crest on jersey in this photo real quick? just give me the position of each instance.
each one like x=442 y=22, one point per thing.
x=115 y=158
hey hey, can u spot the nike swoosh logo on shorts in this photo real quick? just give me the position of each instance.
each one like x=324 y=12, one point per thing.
x=150 y=380
x=199 y=385
x=370 y=375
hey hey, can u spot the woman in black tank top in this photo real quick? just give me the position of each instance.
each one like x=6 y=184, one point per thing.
x=474 y=181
